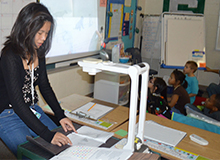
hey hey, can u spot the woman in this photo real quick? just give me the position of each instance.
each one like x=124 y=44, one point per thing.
x=22 y=67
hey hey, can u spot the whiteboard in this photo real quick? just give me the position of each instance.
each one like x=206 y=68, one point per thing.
x=217 y=45
x=76 y=37
x=151 y=32
x=183 y=39
x=79 y=29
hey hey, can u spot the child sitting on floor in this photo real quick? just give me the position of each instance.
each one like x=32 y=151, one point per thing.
x=193 y=86
x=179 y=97
x=158 y=86
x=157 y=103
x=211 y=107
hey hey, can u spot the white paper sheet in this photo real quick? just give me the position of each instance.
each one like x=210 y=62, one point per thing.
x=98 y=123
x=111 y=154
x=163 y=134
x=95 y=134
x=93 y=153
x=79 y=140
x=127 y=3
x=95 y=112
x=88 y=136
x=116 y=19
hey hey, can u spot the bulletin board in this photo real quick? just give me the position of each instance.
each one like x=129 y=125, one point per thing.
x=182 y=39
x=115 y=21
x=120 y=17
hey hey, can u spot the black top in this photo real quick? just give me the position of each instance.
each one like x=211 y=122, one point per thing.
x=12 y=81
x=158 y=102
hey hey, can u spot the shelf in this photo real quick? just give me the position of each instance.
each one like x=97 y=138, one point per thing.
x=112 y=87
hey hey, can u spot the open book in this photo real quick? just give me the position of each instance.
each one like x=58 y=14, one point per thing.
x=86 y=136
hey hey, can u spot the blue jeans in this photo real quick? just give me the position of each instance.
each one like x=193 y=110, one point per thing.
x=13 y=130
x=213 y=89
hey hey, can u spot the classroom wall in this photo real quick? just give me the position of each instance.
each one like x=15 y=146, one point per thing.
x=69 y=80
x=211 y=14
x=72 y=80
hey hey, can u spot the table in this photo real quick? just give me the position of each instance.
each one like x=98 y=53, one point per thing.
x=33 y=151
x=211 y=151
x=118 y=115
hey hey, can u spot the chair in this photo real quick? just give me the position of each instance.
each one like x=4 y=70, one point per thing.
x=136 y=55
x=136 y=58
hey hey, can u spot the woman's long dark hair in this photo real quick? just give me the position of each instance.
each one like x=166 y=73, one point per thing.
x=180 y=76
x=29 y=21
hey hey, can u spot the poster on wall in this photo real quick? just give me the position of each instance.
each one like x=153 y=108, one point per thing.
x=125 y=28
x=120 y=18
x=115 y=22
x=189 y=6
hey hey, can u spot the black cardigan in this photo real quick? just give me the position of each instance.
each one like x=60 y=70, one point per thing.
x=11 y=82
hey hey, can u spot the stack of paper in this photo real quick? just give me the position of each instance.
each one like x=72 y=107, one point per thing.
x=93 y=153
x=93 y=110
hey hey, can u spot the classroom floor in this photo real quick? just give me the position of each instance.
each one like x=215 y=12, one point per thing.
x=5 y=153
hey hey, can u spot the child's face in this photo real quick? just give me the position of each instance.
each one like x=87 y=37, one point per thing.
x=172 y=79
x=187 y=69
x=151 y=85
x=209 y=103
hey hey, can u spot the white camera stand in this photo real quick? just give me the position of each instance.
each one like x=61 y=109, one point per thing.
x=134 y=72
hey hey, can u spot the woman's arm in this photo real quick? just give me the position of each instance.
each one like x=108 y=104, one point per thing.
x=13 y=73
x=173 y=100
x=47 y=91
x=50 y=97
